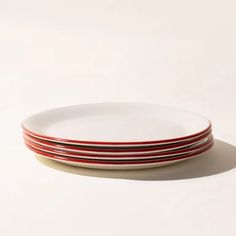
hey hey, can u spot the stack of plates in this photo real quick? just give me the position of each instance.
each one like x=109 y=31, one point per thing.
x=117 y=135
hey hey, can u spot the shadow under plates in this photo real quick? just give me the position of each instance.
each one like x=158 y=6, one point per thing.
x=221 y=158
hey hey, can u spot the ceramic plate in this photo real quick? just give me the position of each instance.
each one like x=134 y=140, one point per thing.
x=120 y=166
x=163 y=154
x=118 y=151
x=116 y=167
x=116 y=124
x=116 y=161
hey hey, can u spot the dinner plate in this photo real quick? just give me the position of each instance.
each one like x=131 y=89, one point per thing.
x=116 y=124
x=123 y=165
x=163 y=154
x=117 y=151
x=115 y=167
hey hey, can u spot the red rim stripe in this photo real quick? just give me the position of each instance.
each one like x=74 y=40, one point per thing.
x=77 y=160
x=82 y=155
x=56 y=139
x=159 y=147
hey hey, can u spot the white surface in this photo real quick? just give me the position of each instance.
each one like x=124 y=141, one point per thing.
x=178 y=53
x=116 y=122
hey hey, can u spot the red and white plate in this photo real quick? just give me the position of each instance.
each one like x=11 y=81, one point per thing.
x=117 y=135
x=129 y=156
x=116 y=124
x=120 y=165
x=117 y=151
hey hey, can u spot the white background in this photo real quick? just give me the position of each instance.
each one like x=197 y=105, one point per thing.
x=55 y=53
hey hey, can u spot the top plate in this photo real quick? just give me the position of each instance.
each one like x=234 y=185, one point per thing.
x=116 y=124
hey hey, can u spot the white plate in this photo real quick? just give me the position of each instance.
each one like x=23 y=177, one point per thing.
x=112 y=124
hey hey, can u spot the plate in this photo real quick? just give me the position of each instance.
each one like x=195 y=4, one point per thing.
x=125 y=166
x=159 y=155
x=115 y=167
x=116 y=124
x=118 y=151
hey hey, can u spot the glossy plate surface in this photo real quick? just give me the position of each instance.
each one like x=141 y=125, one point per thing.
x=112 y=124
